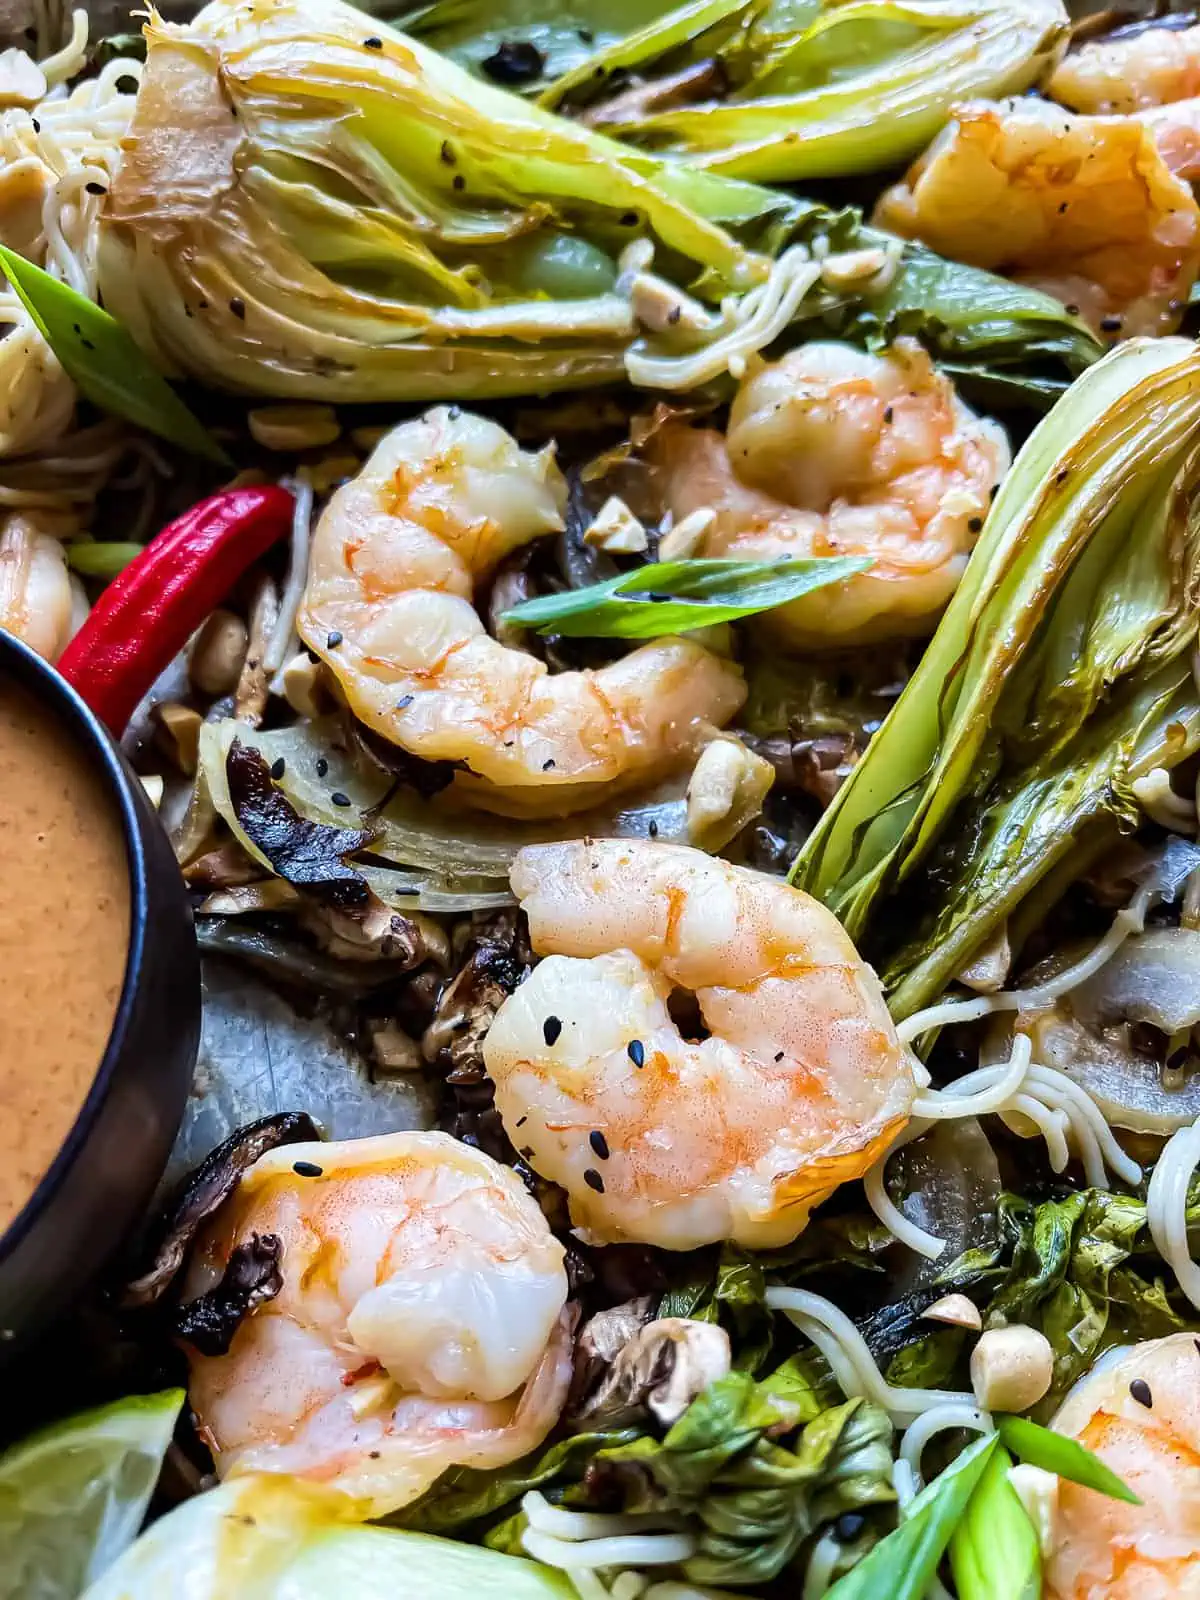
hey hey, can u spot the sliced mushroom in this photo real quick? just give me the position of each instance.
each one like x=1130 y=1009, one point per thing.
x=497 y=959
x=251 y=1278
x=601 y=1340
x=660 y=1370
x=377 y=933
x=250 y=696
x=213 y=1181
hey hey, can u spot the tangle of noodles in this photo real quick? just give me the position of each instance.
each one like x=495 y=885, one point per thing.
x=850 y=1359
x=583 y=1545
x=1166 y=1207
x=48 y=159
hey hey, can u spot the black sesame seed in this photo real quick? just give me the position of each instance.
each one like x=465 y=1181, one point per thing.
x=599 y=1144
x=95 y=188
x=547 y=765
x=584 y=35
x=37 y=127
x=238 y=306
x=974 y=524
x=517 y=61
x=340 y=799
x=629 y=219
x=307 y=1169
x=779 y=1054
x=849 y=1525
x=551 y=1029
x=526 y=1150
x=322 y=766
x=888 y=413
x=1110 y=324
x=652 y=829
x=637 y=1052
x=447 y=153
x=453 y=413
x=127 y=83
x=405 y=701
x=458 y=182
x=1140 y=1390
x=593 y=1180
x=332 y=640
x=675 y=315
x=278 y=768
x=521 y=1121
x=372 y=43
x=374 y=1454
x=87 y=344
x=1061 y=477
x=1072 y=311
x=1063 y=207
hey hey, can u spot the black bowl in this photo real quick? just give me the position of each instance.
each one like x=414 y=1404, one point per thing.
x=104 y=1175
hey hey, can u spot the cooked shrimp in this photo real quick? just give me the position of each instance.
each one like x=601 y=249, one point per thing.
x=40 y=601
x=390 y=607
x=831 y=451
x=1083 y=207
x=1141 y=1415
x=1153 y=68
x=667 y=1140
x=420 y=1324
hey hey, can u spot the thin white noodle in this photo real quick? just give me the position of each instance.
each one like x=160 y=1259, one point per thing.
x=72 y=58
x=587 y=1584
x=881 y=1203
x=1130 y=919
x=1054 y=1126
x=938 y=1104
x=624 y=1550
x=1166 y=1207
x=935 y=1421
x=583 y=1525
x=850 y=1360
x=755 y=320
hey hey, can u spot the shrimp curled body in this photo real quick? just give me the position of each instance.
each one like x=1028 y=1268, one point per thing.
x=663 y=1139
x=831 y=451
x=41 y=601
x=420 y=1324
x=1141 y=1415
x=396 y=560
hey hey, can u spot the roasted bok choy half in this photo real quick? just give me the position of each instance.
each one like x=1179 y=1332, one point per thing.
x=1061 y=673
x=311 y=204
x=767 y=89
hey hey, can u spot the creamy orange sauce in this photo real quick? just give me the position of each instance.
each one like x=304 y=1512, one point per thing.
x=64 y=935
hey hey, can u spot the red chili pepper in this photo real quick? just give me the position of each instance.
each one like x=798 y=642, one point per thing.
x=150 y=610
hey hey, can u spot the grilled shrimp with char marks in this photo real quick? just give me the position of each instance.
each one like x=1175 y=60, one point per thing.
x=420 y=1324
x=672 y=1141
x=1141 y=1415
x=831 y=451
x=390 y=606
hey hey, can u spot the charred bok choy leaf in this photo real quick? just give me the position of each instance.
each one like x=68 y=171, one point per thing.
x=780 y=93
x=311 y=203
x=1059 y=674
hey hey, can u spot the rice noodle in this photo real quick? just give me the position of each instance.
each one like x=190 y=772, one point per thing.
x=581 y=1541
x=69 y=140
x=1130 y=919
x=850 y=1360
x=938 y=1420
x=752 y=321
x=822 y=1564
x=1166 y=1207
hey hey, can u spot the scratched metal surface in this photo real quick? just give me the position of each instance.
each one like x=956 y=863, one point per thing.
x=258 y=1056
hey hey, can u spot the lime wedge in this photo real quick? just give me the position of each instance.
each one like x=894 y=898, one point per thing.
x=74 y=1495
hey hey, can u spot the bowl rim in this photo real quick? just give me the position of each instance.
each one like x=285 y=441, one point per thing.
x=37 y=675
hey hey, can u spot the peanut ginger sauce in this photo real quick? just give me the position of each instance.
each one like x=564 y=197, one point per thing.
x=64 y=936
